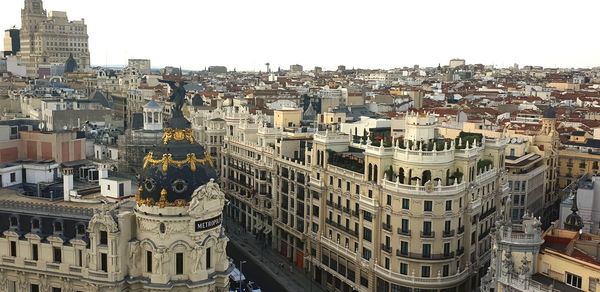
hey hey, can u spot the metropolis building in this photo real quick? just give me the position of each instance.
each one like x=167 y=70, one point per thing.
x=167 y=237
x=367 y=213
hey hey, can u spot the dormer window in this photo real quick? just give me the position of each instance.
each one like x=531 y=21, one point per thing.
x=14 y=222
x=58 y=227
x=80 y=230
x=35 y=224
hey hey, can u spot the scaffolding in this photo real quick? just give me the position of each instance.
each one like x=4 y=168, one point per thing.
x=134 y=145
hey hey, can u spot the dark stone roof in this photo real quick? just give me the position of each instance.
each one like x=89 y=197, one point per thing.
x=101 y=98
x=137 y=121
x=70 y=64
x=550 y=113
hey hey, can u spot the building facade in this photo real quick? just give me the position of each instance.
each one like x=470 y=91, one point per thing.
x=49 y=38
x=167 y=237
x=412 y=213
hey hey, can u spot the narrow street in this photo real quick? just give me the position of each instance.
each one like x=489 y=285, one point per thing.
x=253 y=270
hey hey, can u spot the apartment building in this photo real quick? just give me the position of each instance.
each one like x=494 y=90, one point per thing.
x=50 y=38
x=371 y=215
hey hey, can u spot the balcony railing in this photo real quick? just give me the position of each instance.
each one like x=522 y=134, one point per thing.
x=421 y=256
x=430 y=234
x=341 y=227
x=461 y=229
x=386 y=227
x=405 y=232
x=460 y=251
x=386 y=248
x=487 y=213
x=448 y=233
x=407 y=280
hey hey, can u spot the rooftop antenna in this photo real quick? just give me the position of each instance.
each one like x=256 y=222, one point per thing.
x=268 y=69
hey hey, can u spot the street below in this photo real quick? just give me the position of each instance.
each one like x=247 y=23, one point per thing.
x=252 y=270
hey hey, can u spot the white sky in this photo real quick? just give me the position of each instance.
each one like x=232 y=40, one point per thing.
x=366 y=34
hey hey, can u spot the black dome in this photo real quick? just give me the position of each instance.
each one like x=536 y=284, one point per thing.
x=573 y=222
x=174 y=169
x=550 y=113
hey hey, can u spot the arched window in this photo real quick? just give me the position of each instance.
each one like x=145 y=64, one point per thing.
x=14 y=222
x=401 y=175
x=58 y=227
x=375 y=172
x=370 y=174
x=35 y=224
x=425 y=177
x=80 y=230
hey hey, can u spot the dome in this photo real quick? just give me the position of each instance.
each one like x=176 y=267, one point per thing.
x=550 y=113
x=152 y=105
x=574 y=221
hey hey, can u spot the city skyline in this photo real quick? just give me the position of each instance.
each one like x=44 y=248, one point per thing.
x=328 y=34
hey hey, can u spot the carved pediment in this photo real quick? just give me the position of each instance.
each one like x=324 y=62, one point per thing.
x=206 y=199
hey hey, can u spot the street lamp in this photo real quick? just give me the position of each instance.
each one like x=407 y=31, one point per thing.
x=240 y=277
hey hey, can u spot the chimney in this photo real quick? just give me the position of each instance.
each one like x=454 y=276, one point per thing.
x=103 y=171
x=67 y=183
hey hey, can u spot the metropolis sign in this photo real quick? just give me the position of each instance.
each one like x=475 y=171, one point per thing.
x=202 y=225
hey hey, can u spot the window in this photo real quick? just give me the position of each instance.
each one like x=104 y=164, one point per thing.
x=366 y=254
x=13 y=177
x=34 y=288
x=103 y=262
x=445 y=270
x=388 y=200
x=404 y=247
x=79 y=258
x=58 y=227
x=447 y=249
x=348 y=186
x=447 y=226
x=404 y=268
x=425 y=271
x=54 y=289
x=427 y=228
x=387 y=263
x=35 y=223
x=103 y=237
x=57 y=254
x=367 y=234
x=149 y=261
x=426 y=250
x=34 y=252
x=208 y=254
x=179 y=263
x=404 y=225
x=364 y=281
x=573 y=280
x=367 y=216
x=357 y=190
x=13 y=248
x=405 y=204
x=448 y=205
x=427 y=206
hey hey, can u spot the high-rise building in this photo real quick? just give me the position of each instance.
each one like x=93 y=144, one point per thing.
x=49 y=38
x=456 y=63
x=142 y=65
x=12 y=41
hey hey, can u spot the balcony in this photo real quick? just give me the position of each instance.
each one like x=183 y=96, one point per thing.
x=419 y=190
x=432 y=282
x=420 y=256
x=341 y=227
x=386 y=248
x=386 y=227
x=354 y=213
x=460 y=251
x=405 y=232
x=488 y=213
x=461 y=229
x=429 y=234
x=448 y=233
x=484 y=234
